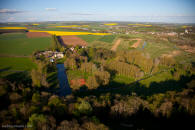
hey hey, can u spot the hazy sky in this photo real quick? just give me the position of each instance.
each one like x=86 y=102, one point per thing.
x=174 y=11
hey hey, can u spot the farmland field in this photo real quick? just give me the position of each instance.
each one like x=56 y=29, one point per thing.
x=10 y=65
x=19 y=44
x=107 y=38
x=61 y=29
x=90 y=38
x=61 y=33
x=97 y=65
x=16 y=63
x=37 y=34
x=73 y=40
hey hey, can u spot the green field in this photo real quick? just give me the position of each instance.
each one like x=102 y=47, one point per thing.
x=156 y=49
x=126 y=44
x=16 y=63
x=107 y=38
x=90 y=38
x=15 y=49
x=19 y=44
x=10 y=65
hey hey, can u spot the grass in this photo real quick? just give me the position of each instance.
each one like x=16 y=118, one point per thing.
x=16 y=63
x=157 y=78
x=99 y=41
x=158 y=48
x=90 y=38
x=107 y=38
x=74 y=74
x=126 y=44
x=19 y=44
x=13 y=64
x=122 y=79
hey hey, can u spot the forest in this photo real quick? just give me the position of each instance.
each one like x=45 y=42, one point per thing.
x=102 y=101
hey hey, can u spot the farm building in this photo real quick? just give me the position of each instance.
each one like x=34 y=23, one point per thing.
x=50 y=54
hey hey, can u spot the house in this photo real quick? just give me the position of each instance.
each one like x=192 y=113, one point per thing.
x=59 y=55
x=51 y=60
x=83 y=46
x=72 y=48
x=186 y=31
x=51 y=55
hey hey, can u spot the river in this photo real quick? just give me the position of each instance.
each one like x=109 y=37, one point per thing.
x=63 y=81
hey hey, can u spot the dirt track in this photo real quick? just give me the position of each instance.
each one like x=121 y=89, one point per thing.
x=135 y=45
x=117 y=43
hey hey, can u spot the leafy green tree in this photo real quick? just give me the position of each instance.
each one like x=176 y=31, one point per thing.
x=39 y=75
x=89 y=125
x=88 y=67
x=37 y=121
x=57 y=107
x=102 y=77
x=70 y=63
x=92 y=82
x=69 y=125
x=36 y=98
x=82 y=108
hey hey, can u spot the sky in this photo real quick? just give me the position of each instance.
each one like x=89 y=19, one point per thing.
x=169 y=11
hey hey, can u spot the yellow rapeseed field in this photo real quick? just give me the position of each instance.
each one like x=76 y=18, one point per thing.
x=61 y=33
x=72 y=26
x=186 y=26
x=13 y=28
x=147 y=25
x=111 y=24
x=35 y=24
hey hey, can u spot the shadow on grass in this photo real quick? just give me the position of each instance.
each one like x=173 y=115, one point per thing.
x=139 y=89
x=53 y=80
x=19 y=78
x=5 y=69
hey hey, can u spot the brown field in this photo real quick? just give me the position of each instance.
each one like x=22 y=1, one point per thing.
x=37 y=34
x=11 y=30
x=72 y=41
x=187 y=48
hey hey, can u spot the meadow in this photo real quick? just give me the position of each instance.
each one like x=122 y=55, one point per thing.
x=10 y=65
x=18 y=44
x=89 y=38
x=15 y=51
